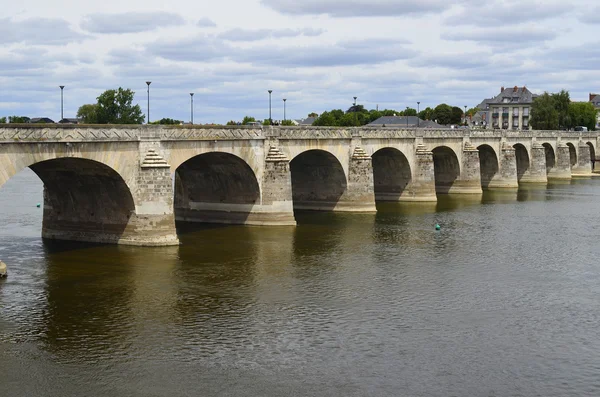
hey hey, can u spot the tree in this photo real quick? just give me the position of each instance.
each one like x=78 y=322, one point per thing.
x=410 y=112
x=114 y=107
x=472 y=112
x=561 y=104
x=18 y=119
x=326 y=119
x=426 y=114
x=442 y=114
x=582 y=114
x=544 y=115
x=247 y=120
x=313 y=114
x=3 y=120
x=457 y=115
x=87 y=114
x=232 y=122
x=287 y=122
x=167 y=121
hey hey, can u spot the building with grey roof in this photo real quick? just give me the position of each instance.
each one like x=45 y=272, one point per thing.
x=510 y=109
x=403 y=121
x=595 y=100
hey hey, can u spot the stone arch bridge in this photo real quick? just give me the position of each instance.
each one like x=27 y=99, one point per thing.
x=128 y=184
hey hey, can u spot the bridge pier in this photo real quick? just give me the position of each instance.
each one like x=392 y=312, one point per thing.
x=422 y=186
x=584 y=162
x=536 y=173
x=359 y=195
x=562 y=167
x=469 y=181
x=506 y=177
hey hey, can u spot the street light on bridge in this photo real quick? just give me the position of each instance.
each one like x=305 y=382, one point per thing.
x=418 y=118
x=270 y=119
x=355 y=100
x=284 y=99
x=61 y=102
x=191 y=108
x=148 y=109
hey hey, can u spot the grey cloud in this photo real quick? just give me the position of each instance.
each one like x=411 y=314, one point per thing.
x=461 y=60
x=130 y=22
x=495 y=13
x=206 y=23
x=255 y=35
x=509 y=37
x=38 y=31
x=193 y=49
x=357 y=8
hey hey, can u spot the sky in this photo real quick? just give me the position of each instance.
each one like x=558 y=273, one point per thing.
x=318 y=54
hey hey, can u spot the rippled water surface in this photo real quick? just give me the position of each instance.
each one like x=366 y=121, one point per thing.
x=503 y=301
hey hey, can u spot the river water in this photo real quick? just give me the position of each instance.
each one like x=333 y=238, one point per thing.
x=504 y=300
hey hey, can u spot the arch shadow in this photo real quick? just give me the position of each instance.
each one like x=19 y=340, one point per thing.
x=84 y=200
x=391 y=174
x=522 y=157
x=488 y=165
x=592 y=154
x=446 y=169
x=572 y=155
x=318 y=180
x=215 y=187
x=550 y=157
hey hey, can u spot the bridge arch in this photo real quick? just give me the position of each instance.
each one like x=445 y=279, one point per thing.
x=215 y=187
x=446 y=168
x=550 y=157
x=488 y=164
x=522 y=157
x=572 y=154
x=592 y=154
x=391 y=174
x=84 y=200
x=318 y=180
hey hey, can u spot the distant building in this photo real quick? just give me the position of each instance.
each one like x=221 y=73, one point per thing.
x=70 y=120
x=41 y=120
x=595 y=100
x=403 y=121
x=509 y=110
x=306 y=121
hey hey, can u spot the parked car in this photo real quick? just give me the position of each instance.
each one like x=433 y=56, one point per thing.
x=581 y=128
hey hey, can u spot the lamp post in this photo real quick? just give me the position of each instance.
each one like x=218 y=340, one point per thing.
x=355 y=100
x=191 y=108
x=406 y=116
x=465 y=114
x=284 y=99
x=270 y=119
x=148 y=109
x=418 y=111
x=61 y=102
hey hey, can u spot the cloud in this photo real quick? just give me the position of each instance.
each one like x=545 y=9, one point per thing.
x=130 y=22
x=357 y=8
x=238 y=34
x=206 y=23
x=38 y=31
x=508 y=37
x=510 y=12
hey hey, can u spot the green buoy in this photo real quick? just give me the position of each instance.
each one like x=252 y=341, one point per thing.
x=38 y=205
x=438 y=227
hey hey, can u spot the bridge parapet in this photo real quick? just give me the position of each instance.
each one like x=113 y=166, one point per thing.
x=68 y=133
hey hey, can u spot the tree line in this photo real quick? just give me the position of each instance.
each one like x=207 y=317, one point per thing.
x=357 y=115
x=555 y=111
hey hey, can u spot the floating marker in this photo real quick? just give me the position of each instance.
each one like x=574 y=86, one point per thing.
x=438 y=227
x=38 y=205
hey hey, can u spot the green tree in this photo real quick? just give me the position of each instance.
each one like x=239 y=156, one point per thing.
x=313 y=114
x=457 y=115
x=167 y=121
x=582 y=114
x=114 y=107
x=410 y=112
x=327 y=119
x=232 y=122
x=18 y=119
x=426 y=114
x=561 y=104
x=247 y=120
x=472 y=112
x=87 y=113
x=3 y=120
x=442 y=114
x=544 y=115
x=287 y=123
